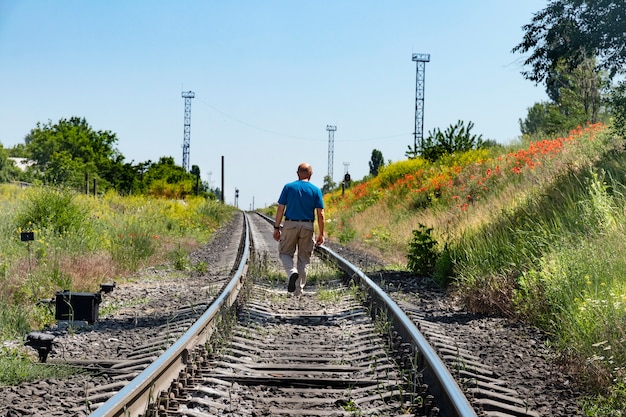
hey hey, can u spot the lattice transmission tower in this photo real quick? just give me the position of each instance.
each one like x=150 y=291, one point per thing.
x=418 y=134
x=187 y=95
x=331 y=149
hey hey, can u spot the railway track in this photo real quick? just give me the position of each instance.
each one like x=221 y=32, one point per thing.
x=343 y=348
x=289 y=355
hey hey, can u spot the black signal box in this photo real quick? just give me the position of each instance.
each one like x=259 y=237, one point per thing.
x=78 y=306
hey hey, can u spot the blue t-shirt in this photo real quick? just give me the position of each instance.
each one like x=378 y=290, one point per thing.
x=301 y=198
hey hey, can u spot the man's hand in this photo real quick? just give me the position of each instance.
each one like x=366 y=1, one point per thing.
x=320 y=240
x=276 y=235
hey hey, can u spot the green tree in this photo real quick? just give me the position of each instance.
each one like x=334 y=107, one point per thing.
x=74 y=136
x=329 y=184
x=214 y=193
x=568 y=33
x=618 y=104
x=546 y=118
x=166 y=179
x=411 y=152
x=18 y=151
x=456 y=138
x=577 y=98
x=62 y=168
x=536 y=119
x=376 y=162
x=167 y=170
x=582 y=92
x=8 y=170
x=71 y=148
x=124 y=177
x=571 y=31
x=195 y=171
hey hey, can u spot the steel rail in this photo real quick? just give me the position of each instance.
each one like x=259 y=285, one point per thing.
x=449 y=397
x=134 y=398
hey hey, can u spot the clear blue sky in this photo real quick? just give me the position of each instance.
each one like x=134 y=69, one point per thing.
x=268 y=76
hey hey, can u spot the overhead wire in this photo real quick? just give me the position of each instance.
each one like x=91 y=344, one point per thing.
x=290 y=136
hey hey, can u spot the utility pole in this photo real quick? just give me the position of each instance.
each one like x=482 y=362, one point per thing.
x=331 y=149
x=187 y=95
x=418 y=134
x=346 y=178
x=223 y=180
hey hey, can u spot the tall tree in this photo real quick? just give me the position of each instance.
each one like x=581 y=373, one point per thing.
x=18 y=151
x=570 y=31
x=195 y=171
x=618 y=103
x=74 y=136
x=329 y=184
x=8 y=170
x=125 y=178
x=376 y=162
x=576 y=47
x=71 y=148
x=577 y=100
x=536 y=119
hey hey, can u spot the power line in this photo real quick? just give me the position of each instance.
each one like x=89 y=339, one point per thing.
x=291 y=136
x=257 y=127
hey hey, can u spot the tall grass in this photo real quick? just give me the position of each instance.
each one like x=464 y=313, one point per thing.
x=81 y=241
x=532 y=231
x=576 y=289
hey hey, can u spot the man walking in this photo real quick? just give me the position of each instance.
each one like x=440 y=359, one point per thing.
x=300 y=202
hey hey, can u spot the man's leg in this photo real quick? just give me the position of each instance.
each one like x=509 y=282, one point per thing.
x=288 y=265
x=286 y=250
x=305 y=248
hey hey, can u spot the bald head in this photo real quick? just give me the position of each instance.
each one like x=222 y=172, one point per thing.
x=304 y=171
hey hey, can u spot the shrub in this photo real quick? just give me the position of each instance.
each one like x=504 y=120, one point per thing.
x=422 y=254
x=346 y=234
x=51 y=209
x=393 y=172
x=456 y=138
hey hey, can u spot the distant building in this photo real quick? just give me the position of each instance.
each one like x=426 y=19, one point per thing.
x=22 y=163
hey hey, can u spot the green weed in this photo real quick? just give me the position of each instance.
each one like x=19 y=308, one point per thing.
x=16 y=367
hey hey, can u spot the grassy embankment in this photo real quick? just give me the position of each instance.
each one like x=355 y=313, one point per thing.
x=533 y=231
x=81 y=242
